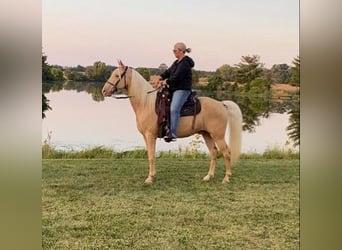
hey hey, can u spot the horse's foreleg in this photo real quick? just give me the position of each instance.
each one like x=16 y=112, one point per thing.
x=221 y=143
x=213 y=155
x=150 y=141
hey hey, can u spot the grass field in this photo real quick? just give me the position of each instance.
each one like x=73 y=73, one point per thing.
x=103 y=204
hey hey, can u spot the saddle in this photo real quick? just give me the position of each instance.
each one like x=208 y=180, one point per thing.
x=191 y=107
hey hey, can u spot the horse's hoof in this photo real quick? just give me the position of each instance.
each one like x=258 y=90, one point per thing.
x=225 y=180
x=206 y=178
x=149 y=181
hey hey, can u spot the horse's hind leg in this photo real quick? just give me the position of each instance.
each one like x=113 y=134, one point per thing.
x=213 y=155
x=221 y=143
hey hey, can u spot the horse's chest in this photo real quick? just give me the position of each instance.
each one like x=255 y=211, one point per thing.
x=146 y=123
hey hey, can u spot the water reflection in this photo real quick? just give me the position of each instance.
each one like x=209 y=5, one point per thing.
x=294 y=121
x=92 y=88
x=255 y=107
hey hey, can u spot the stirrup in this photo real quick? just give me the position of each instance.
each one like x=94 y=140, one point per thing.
x=170 y=138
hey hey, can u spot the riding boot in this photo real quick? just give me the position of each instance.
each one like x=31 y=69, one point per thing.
x=170 y=137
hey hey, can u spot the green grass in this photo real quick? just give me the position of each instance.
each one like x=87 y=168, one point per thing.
x=100 y=152
x=103 y=204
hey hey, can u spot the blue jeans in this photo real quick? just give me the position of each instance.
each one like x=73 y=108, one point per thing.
x=178 y=99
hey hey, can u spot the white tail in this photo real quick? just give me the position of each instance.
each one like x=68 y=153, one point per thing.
x=235 y=129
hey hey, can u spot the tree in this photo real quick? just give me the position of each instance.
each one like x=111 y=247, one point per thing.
x=248 y=69
x=51 y=73
x=195 y=77
x=226 y=72
x=70 y=75
x=46 y=76
x=57 y=74
x=258 y=86
x=267 y=75
x=215 y=82
x=46 y=69
x=80 y=68
x=222 y=75
x=45 y=105
x=295 y=72
x=280 y=73
x=294 y=127
x=97 y=72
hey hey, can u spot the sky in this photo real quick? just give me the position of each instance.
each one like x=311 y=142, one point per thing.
x=142 y=33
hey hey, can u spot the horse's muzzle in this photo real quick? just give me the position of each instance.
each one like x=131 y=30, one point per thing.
x=108 y=90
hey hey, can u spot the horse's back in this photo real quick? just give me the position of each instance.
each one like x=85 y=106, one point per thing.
x=212 y=106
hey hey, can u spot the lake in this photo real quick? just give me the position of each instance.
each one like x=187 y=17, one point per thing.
x=81 y=118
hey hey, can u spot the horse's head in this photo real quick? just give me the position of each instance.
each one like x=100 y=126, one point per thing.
x=116 y=81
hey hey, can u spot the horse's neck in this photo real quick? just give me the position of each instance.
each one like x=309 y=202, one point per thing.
x=142 y=102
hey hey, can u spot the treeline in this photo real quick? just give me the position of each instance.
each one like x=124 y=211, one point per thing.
x=251 y=73
x=244 y=73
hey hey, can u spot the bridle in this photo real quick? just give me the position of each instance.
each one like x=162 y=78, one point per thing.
x=123 y=74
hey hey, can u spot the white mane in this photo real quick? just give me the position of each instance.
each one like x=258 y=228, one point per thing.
x=139 y=89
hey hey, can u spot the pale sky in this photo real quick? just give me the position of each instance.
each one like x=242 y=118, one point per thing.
x=142 y=33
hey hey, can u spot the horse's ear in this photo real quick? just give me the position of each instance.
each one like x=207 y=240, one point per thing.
x=120 y=63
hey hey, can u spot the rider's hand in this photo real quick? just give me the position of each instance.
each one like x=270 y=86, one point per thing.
x=161 y=84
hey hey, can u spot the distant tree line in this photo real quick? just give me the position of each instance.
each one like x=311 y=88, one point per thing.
x=244 y=73
x=51 y=73
x=251 y=73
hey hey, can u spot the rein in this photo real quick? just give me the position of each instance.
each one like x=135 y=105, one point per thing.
x=151 y=91
x=164 y=86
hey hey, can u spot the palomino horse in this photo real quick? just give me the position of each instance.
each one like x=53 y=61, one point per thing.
x=211 y=122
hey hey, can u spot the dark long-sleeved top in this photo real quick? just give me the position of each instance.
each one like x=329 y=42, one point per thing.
x=179 y=75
